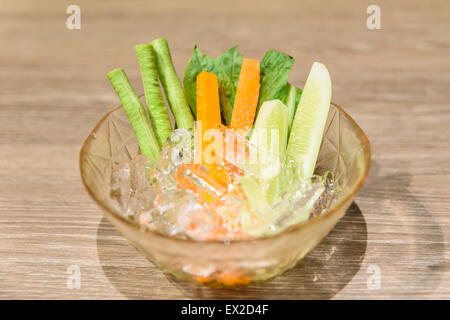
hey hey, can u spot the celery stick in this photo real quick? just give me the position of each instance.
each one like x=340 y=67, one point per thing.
x=171 y=84
x=155 y=102
x=135 y=112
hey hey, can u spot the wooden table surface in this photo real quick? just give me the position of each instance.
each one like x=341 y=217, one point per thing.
x=393 y=242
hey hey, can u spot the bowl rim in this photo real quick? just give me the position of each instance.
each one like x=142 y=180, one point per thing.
x=291 y=229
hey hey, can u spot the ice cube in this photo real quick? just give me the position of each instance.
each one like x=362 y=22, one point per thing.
x=120 y=189
x=297 y=202
x=208 y=182
x=247 y=156
x=130 y=187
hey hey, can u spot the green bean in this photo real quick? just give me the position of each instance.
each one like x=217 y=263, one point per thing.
x=135 y=112
x=171 y=84
x=157 y=109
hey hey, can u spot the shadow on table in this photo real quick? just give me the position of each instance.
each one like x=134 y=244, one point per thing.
x=408 y=243
x=322 y=274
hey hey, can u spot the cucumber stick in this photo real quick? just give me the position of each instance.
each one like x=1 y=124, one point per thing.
x=309 y=121
x=270 y=133
x=157 y=110
x=135 y=112
x=171 y=84
x=270 y=129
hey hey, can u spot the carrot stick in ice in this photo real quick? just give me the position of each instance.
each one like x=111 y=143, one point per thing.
x=208 y=111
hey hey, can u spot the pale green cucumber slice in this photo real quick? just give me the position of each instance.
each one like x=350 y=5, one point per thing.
x=309 y=121
x=157 y=109
x=135 y=112
x=255 y=195
x=271 y=128
x=270 y=135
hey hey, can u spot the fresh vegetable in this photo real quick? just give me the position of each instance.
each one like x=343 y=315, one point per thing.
x=171 y=84
x=199 y=62
x=157 y=109
x=309 y=121
x=135 y=112
x=208 y=109
x=255 y=170
x=225 y=104
x=227 y=67
x=255 y=195
x=275 y=69
x=291 y=101
x=230 y=62
x=270 y=134
x=247 y=94
x=298 y=94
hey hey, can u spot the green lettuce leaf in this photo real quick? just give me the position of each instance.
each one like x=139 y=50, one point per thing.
x=199 y=62
x=230 y=63
x=298 y=94
x=291 y=100
x=227 y=68
x=225 y=105
x=275 y=69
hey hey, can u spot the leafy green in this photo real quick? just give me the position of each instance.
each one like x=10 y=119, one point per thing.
x=225 y=104
x=227 y=68
x=298 y=94
x=275 y=69
x=291 y=100
x=229 y=64
x=199 y=62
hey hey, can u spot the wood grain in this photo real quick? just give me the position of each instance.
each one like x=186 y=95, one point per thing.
x=395 y=82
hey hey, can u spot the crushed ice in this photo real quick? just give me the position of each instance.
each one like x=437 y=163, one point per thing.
x=149 y=193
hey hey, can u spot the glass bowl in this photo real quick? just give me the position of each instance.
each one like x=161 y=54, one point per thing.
x=345 y=151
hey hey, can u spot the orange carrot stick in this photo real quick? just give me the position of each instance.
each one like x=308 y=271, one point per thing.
x=247 y=94
x=208 y=108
